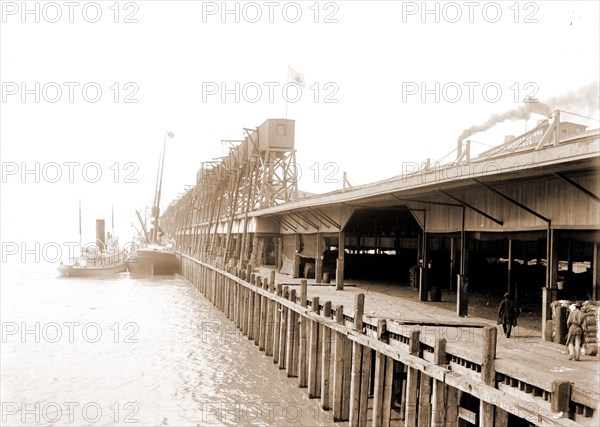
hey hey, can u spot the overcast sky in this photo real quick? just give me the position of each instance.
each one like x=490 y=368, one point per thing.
x=387 y=84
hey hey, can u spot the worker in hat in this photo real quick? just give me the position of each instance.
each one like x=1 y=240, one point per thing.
x=507 y=314
x=576 y=325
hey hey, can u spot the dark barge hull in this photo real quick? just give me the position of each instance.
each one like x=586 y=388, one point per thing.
x=154 y=262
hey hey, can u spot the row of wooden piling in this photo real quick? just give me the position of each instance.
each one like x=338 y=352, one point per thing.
x=345 y=366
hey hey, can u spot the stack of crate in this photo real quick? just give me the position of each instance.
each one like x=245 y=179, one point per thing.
x=591 y=310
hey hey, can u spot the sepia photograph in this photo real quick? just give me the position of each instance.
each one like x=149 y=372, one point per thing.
x=300 y=213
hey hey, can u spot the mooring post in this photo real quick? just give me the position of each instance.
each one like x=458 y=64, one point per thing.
x=359 y=309
x=312 y=356
x=561 y=395
x=488 y=372
x=326 y=359
x=302 y=362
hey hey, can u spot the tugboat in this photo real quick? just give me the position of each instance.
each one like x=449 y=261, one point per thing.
x=155 y=255
x=101 y=259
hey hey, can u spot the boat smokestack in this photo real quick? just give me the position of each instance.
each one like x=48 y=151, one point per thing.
x=100 y=235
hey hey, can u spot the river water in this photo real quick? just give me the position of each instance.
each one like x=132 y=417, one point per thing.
x=133 y=350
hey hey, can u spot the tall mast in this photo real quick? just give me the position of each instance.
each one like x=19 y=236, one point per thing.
x=156 y=209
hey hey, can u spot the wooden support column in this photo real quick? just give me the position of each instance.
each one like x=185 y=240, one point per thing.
x=554 y=260
x=462 y=282
x=313 y=353
x=326 y=359
x=488 y=372
x=438 y=401
x=451 y=273
x=339 y=271
x=412 y=382
x=302 y=359
x=297 y=256
x=596 y=273
x=319 y=260
x=509 y=287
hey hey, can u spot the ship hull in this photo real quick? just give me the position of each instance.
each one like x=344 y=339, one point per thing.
x=153 y=262
x=81 y=271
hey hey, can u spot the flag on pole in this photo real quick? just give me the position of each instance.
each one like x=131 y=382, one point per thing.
x=296 y=77
x=535 y=106
x=170 y=134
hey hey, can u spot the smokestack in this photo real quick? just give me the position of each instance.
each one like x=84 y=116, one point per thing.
x=100 y=238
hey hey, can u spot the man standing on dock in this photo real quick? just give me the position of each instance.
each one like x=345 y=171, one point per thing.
x=575 y=323
x=507 y=314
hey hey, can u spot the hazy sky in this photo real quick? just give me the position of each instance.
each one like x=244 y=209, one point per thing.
x=387 y=84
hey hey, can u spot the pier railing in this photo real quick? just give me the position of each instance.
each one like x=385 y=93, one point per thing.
x=413 y=375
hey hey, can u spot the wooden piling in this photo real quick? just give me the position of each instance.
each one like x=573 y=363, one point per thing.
x=257 y=310
x=313 y=354
x=251 y=312
x=302 y=359
x=412 y=382
x=263 y=316
x=283 y=331
x=290 y=354
x=365 y=376
x=488 y=372
x=338 y=366
x=357 y=353
x=326 y=360
x=438 y=404
x=277 y=325
x=378 y=388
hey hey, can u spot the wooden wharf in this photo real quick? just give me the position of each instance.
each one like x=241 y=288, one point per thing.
x=403 y=366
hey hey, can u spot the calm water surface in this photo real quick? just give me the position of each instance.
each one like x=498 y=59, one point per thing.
x=133 y=350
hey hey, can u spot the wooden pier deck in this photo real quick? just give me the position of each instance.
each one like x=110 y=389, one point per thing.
x=376 y=359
